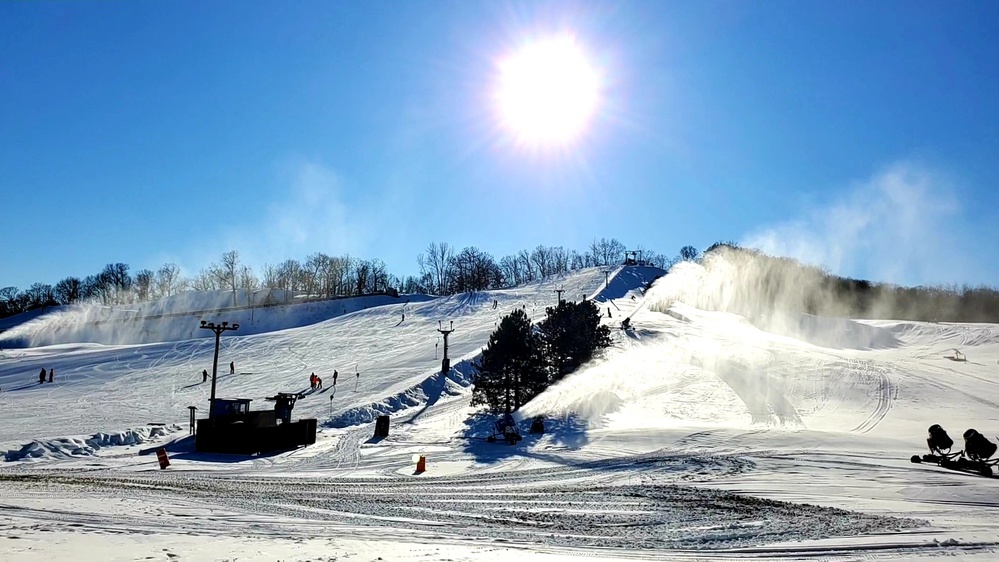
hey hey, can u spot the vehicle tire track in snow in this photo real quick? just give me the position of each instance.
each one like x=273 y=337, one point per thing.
x=588 y=504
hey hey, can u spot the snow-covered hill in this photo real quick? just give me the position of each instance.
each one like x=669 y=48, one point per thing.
x=698 y=435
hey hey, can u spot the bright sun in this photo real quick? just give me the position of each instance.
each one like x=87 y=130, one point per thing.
x=547 y=92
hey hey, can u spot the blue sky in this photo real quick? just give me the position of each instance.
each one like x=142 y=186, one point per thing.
x=859 y=136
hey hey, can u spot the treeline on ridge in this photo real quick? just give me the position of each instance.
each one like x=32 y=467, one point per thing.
x=765 y=283
x=443 y=270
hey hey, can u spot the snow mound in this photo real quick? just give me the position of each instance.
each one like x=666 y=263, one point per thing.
x=837 y=333
x=158 y=322
x=628 y=280
x=426 y=394
x=68 y=447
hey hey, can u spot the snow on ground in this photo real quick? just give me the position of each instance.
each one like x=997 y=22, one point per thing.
x=698 y=435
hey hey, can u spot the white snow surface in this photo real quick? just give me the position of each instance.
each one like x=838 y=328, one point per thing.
x=698 y=435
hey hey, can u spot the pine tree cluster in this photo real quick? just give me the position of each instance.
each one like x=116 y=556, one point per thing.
x=522 y=360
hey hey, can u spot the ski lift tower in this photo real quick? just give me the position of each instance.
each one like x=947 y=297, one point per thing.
x=446 y=362
x=218 y=329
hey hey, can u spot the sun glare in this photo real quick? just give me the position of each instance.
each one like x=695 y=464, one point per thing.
x=547 y=93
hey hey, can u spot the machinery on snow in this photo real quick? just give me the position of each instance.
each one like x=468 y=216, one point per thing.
x=505 y=429
x=976 y=457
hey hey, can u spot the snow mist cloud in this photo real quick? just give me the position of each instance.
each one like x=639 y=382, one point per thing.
x=899 y=226
x=310 y=213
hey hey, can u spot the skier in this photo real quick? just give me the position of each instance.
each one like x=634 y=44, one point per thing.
x=334 y=377
x=41 y=376
x=51 y=371
x=312 y=381
x=204 y=375
x=232 y=367
x=319 y=383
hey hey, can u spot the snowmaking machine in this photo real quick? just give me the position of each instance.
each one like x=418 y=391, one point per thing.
x=505 y=429
x=975 y=458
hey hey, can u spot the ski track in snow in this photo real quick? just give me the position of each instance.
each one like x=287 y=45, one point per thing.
x=885 y=394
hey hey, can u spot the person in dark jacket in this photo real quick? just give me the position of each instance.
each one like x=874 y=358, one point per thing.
x=232 y=367
x=204 y=375
x=41 y=376
x=51 y=372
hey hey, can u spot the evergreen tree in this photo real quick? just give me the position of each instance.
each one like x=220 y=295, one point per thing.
x=512 y=369
x=571 y=333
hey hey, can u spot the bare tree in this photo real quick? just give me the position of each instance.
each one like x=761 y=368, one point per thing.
x=362 y=268
x=96 y=288
x=320 y=267
x=379 y=275
x=559 y=259
x=594 y=254
x=412 y=284
x=340 y=274
x=230 y=272
x=118 y=282
x=168 y=280
x=437 y=262
x=542 y=259
x=688 y=253
x=206 y=280
x=271 y=277
x=9 y=302
x=474 y=270
x=659 y=260
x=613 y=251
x=69 y=290
x=290 y=277
x=526 y=267
x=40 y=295
x=511 y=271
x=248 y=281
x=144 y=284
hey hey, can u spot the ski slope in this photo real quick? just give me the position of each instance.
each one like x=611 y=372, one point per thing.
x=698 y=435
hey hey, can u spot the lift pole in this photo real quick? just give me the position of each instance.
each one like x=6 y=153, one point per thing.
x=446 y=362
x=218 y=329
